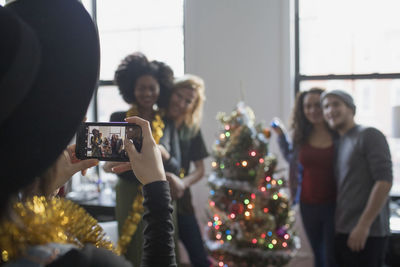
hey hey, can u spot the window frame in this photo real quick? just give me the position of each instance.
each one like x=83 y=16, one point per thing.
x=299 y=77
x=105 y=83
x=93 y=109
x=302 y=77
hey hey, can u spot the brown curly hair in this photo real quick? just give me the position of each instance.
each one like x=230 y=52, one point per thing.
x=300 y=125
x=137 y=65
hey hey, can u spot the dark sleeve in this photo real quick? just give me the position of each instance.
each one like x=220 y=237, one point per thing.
x=170 y=141
x=90 y=256
x=197 y=150
x=158 y=245
x=377 y=152
x=286 y=147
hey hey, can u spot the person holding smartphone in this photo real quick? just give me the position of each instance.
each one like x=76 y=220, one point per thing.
x=146 y=86
x=54 y=45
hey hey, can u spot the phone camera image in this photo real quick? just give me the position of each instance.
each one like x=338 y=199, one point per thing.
x=105 y=141
x=134 y=133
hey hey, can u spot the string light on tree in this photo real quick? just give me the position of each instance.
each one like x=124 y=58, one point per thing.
x=247 y=208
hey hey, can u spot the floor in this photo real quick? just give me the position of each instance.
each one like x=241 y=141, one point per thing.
x=303 y=257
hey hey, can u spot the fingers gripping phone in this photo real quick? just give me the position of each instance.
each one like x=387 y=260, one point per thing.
x=105 y=140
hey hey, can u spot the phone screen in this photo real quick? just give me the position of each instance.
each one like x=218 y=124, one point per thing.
x=105 y=141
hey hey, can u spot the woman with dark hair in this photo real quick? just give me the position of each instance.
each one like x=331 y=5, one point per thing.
x=185 y=110
x=311 y=174
x=95 y=142
x=146 y=85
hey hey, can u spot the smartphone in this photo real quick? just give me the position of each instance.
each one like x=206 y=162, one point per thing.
x=105 y=140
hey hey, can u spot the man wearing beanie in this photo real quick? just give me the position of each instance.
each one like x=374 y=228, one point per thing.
x=363 y=171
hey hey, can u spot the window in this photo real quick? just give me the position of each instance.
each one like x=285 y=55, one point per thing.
x=154 y=27
x=353 y=46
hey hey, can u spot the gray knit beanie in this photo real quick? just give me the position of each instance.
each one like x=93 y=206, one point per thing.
x=345 y=97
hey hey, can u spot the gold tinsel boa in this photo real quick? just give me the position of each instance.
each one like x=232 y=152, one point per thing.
x=157 y=124
x=41 y=221
x=135 y=215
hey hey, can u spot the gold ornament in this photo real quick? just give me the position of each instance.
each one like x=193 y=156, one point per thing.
x=41 y=221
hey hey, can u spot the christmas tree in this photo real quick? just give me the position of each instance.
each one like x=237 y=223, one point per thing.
x=250 y=215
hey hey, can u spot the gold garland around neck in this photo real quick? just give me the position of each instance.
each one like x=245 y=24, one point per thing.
x=135 y=215
x=41 y=221
x=157 y=124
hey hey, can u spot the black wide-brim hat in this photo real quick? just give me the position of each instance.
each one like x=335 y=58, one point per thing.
x=49 y=68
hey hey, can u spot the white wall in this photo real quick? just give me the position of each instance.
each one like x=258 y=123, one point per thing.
x=233 y=44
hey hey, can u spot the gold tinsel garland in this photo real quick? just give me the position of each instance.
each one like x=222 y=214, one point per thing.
x=157 y=124
x=42 y=221
x=135 y=215
x=130 y=225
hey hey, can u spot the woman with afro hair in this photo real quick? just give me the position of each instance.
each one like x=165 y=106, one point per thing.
x=146 y=86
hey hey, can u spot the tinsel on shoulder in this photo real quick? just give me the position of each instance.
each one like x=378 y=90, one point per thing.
x=250 y=216
x=41 y=221
x=135 y=214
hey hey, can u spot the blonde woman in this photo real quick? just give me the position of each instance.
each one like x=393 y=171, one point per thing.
x=185 y=109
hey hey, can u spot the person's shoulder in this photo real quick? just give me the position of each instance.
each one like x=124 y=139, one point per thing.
x=369 y=131
x=188 y=133
x=370 y=134
x=118 y=116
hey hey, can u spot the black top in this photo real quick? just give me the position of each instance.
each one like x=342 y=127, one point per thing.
x=158 y=247
x=193 y=149
x=169 y=140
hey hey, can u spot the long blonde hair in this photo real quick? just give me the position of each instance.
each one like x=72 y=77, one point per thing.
x=189 y=81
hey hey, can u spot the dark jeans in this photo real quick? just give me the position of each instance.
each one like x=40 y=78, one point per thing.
x=189 y=234
x=373 y=254
x=318 y=221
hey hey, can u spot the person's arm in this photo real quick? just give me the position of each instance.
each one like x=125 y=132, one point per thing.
x=196 y=175
x=285 y=146
x=180 y=185
x=66 y=165
x=197 y=153
x=377 y=199
x=377 y=153
x=170 y=150
x=158 y=247
x=158 y=243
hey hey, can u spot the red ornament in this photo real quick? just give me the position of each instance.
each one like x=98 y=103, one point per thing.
x=237 y=208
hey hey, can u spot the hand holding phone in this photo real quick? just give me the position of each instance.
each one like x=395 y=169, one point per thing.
x=146 y=164
x=105 y=140
x=62 y=170
x=277 y=126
